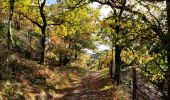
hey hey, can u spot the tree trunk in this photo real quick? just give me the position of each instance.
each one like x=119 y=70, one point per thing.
x=117 y=58
x=42 y=47
x=111 y=68
x=134 y=83
x=60 y=59
x=66 y=60
x=118 y=64
x=76 y=55
x=168 y=45
x=43 y=29
x=11 y=10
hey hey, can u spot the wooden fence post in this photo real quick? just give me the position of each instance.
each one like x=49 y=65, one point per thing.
x=134 y=83
x=111 y=68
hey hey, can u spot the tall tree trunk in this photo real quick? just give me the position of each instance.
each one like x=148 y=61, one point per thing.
x=11 y=10
x=168 y=45
x=118 y=48
x=117 y=58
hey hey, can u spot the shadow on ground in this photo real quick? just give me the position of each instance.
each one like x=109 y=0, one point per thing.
x=90 y=88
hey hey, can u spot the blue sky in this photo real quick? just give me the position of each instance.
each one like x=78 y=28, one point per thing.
x=51 y=1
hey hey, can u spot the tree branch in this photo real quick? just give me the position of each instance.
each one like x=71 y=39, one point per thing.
x=34 y=22
x=41 y=7
x=160 y=67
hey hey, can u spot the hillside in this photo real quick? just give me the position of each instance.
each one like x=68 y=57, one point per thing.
x=25 y=79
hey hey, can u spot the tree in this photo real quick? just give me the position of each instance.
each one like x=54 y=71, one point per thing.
x=43 y=29
x=11 y=11
x=41 y=5
x=121 y=6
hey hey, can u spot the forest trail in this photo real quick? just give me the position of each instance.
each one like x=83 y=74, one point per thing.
x=91 y=87
x=36 y=82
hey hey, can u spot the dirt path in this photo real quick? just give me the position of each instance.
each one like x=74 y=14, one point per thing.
x=91 y=87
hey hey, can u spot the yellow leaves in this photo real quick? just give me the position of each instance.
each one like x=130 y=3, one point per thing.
x=144 y=58
x=157 y=76
x=37 y=30
x=106 y=88
x=22 y=5
x=4 y=5
x=129 y=56
x=57 y=28
x=54 y=39
x=70 y=16
x=108 y=23
x=123 y=25
x=103 y=24
x=71 y=31
x=62 y=30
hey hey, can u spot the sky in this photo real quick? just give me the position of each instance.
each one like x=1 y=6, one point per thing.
x=51 y=1
x=104 y=11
